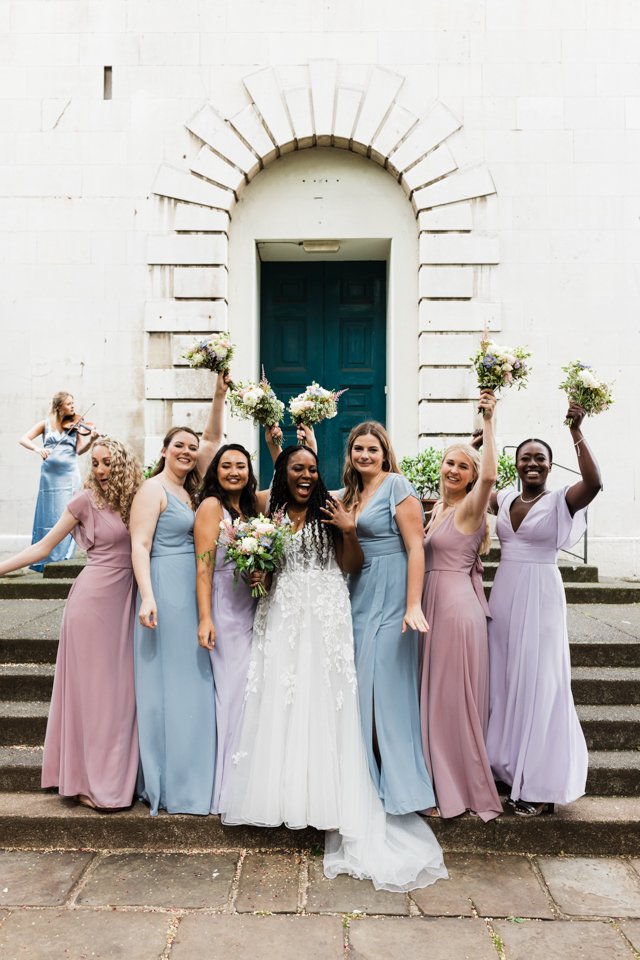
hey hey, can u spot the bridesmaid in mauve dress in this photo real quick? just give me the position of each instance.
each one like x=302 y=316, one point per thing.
x=454 y=682
x=174 y=682
x=535 y=742
x=226 y=607
x=385 y=604
x=91 y=744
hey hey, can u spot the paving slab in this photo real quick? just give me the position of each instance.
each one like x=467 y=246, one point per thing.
x=589 y=887
x=266 y=938
x=575 y=940
x=635 y=863
x=269 y=882
x=418 y=938
x=347 y=895
x=497 y=886
x=82 y=934
x=34 y=878
x=27 y=619
x=631 y=930
x=172 y=880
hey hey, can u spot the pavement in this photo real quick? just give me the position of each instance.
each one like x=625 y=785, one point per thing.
x=252 y=905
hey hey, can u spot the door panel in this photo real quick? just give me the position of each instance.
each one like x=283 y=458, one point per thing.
x=325 y=322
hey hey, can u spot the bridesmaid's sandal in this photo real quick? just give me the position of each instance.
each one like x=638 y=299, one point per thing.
x=431 y=812
x=86 y=801
x=522 y=808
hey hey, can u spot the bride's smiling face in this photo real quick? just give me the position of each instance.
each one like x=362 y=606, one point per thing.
x=302 y=475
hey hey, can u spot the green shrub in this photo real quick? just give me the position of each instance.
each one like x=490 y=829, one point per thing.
x=423 y=472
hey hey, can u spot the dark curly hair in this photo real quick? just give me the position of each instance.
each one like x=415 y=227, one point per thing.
x=322 y=535
x=211 y=486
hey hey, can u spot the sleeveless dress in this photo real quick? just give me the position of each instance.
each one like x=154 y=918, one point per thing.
x=59 y=480
x=454 y=673
x=300 y=757
x=232 y=611
x=535 y=741
x=174 y=682
x=91 y=744
x=386 y=658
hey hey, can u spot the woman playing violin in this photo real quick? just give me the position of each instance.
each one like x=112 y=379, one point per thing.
x=65 y=436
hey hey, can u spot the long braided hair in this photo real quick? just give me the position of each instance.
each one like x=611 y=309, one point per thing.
x=321 y=535
x=211 y=486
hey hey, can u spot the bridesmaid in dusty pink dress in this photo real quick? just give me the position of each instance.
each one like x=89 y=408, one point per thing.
x=454 y=681
x=535 y=742
x=91 y=744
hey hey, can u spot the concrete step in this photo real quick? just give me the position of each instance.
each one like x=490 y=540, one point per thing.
x=606 y=685
x=23 y=722
x=64 y=569
x=590 y=827
x=570 y=573
x=611 y=727
x=34 y=586
x=26 y=681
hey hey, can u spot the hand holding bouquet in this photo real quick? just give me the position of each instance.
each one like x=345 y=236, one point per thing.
x=498 y=367
x=255 y=545
x=257 y=402
x=583 y=388
x=211 y=353
x=313 y=406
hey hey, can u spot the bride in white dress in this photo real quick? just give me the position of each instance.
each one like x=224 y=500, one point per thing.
x=301 y=758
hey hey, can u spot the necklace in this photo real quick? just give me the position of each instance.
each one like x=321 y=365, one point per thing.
x=534 y=498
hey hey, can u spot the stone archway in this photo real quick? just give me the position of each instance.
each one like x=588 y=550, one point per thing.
x=324 y=112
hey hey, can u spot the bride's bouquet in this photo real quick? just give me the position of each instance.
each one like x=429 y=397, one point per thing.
x=210 y=353
x=583 y=387
x=256 y=544
x=257 y=402
x=497 y=367
x=314 y=405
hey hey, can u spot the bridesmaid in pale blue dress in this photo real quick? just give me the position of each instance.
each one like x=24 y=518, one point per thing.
x=59 y=474
x=387 y=616
x=174 y=682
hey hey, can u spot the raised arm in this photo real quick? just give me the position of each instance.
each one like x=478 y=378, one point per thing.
x=145 y=511
x=476 y=441
x=26 y=440
x=213 y=433
x=409 y=520
x=206 y=532
x=476 y=503
x=273 y=440
x=41 y=549
x=84 y=443
x=585 y=490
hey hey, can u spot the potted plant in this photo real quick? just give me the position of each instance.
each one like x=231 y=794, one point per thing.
x=423 y=472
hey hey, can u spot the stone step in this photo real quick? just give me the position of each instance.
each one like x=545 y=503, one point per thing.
x=611 y=727
x=26 y=681
x=606 y=685
x=590 y=827
x=33 y=586
x=570 y=573
x=64 y=569
x=23 y=722
x=612 y=773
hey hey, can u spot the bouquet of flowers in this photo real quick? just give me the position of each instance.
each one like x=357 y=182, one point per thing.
x=256 y=544
x=497 y=367
x=257 y=402
x=314 y=405
x=583 y=387
x=211 y=353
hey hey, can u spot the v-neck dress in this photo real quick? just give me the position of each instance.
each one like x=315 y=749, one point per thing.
x=535 y=742
x=454 y=696
x=174 y=681
x=91 y=745
x=59 y=480
x=386 y=658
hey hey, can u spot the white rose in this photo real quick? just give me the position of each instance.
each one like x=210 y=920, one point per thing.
x=252 y=396
x=249 y=545
x=262 y=528
x=588 y=379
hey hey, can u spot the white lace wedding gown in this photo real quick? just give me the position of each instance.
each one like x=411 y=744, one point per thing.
x=301 y=758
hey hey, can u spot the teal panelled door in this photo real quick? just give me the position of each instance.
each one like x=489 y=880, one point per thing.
x=325 y=322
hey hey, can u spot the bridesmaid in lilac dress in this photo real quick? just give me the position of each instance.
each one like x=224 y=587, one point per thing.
x=225 y=608
x=454 y=687
x=535 y=742
x=91 y=744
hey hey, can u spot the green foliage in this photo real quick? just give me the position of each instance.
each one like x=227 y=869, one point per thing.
x=507 y=473
x=148 y=470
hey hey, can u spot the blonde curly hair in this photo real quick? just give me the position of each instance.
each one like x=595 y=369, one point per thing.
x=124 y=479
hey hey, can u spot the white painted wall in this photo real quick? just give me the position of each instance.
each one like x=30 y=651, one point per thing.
x=549 y=96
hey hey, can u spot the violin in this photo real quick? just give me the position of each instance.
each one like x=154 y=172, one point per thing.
x=74 y=421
